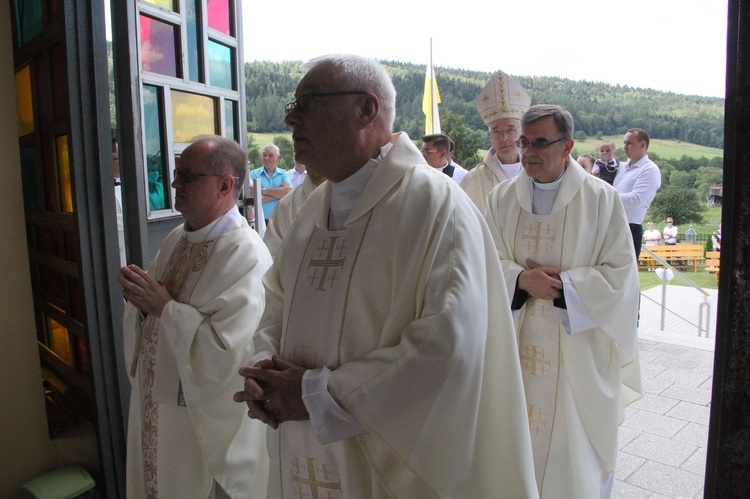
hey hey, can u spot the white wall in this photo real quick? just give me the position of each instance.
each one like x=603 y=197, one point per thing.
x=26 y=450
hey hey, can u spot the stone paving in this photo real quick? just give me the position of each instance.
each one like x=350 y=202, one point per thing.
x=663 y=437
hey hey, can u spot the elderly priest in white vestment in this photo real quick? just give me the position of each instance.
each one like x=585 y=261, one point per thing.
x=188 y=328
x=565 y=248
x=385 y=359
x=500 y=104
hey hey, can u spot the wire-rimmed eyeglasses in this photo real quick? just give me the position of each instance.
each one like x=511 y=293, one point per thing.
x=537 y=144
x=304 y=102
x=511 y=133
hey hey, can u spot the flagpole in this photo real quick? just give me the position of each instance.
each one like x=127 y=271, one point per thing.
x=432 y=89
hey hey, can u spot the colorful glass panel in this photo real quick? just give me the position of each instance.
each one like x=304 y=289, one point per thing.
x=29 y=178
x=77 y=306
x=192 y=115
x=59 y=341
x=24 y=102
x=63 y=173
x=60 y=88
x=156 y=170
x=221 y=65
x=218 y=16
x=29 y=20
x=158 y=47
x=230 y=119
x=195 y=69
x=47 y=241
x=52 y=282
x=165 y=4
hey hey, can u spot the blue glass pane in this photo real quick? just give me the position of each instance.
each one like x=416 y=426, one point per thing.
x=195 y=69
x=28 y=19
x=156 y=171
x=221 y=65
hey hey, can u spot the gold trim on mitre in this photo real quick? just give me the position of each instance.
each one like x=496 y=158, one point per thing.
x=502 y=97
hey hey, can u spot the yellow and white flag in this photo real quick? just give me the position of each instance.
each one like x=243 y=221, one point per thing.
x=430 y=101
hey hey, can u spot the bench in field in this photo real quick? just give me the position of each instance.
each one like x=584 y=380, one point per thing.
x=712 y=263
x=680 y=256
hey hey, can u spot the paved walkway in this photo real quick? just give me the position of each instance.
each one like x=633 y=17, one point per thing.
x=663 y=437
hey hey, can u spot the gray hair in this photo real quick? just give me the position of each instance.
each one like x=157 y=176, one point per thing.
x=225 y=156
x=272 y=147
x=361 y=73
x=562 y=118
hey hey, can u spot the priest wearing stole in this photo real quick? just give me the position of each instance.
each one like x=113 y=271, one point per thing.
x=188 y=328
x=565 y=249
x=385 y=360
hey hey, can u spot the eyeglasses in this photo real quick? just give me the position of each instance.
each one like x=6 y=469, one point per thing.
x=511 y=133
x=188 y=177
x=303 y=103
x=537 y=144
x=427 y=151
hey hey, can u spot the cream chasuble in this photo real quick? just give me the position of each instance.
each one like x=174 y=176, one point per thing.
x=401 y=306
x=480 y=180
x=576 y=385
x=177 y=401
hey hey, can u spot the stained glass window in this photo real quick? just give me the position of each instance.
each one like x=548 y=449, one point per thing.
x=195 y=69
x=24 y=102
x=230 y=119
x=155 y=147
x=28 y=19
x=192 y=115
x=59 y=341
x=165 y=4
x=63 y=173
x=159 y=42
x=221 y=65
x=218 y=16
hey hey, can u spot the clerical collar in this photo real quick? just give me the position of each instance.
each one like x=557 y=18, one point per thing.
x=511 y=169
x=541 y=185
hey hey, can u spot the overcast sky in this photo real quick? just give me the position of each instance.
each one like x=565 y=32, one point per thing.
x=670 y=45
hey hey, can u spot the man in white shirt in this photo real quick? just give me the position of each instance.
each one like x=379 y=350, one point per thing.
x=562 y=239
x=436 y=151
x=670 y=232
x=298 y=174
x=385 y=361
x=500 y=104
x=637 y=182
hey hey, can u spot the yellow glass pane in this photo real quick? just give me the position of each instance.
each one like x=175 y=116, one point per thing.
x=24 y=103
x=63 y=173
x=192 y=115
x=59 y=341
x=164 y=4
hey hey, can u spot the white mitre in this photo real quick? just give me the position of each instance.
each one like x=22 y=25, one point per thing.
x=502 y=97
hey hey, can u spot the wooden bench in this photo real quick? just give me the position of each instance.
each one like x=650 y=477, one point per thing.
x=712 y=264
x=679 y=256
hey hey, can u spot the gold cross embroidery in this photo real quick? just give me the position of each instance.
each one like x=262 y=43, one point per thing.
x=326 y=262
x=537 y=419
x=315 y=485
x=536 y=235
x=531 y=359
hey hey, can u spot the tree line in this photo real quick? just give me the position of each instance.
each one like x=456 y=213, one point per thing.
x=597 y=108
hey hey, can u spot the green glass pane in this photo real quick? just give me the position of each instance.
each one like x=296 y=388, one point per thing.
x=28 y=19
x=158 y=47
x=156 y=171
x=192 y=115
x=29 y=178
x=230 y=119
x=195 y=70
x=221 y=65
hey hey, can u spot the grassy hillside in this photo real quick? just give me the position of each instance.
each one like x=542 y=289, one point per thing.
x=667 y=149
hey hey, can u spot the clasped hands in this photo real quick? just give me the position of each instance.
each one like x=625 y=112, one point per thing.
x=143 y=291
x=540 y=281
x=273 y=391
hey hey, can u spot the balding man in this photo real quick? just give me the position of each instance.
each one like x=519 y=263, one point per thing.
x=188 y=327
x=385 y=358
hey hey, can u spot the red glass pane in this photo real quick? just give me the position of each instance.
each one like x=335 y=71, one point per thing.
x=77 y=308
x=60 y=88
x=218 y=15
x=52 y=281
x=47 y=241
x=158 y=47
x=71 y=248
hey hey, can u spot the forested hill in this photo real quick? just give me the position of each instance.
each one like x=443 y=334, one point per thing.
x=598 y=108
